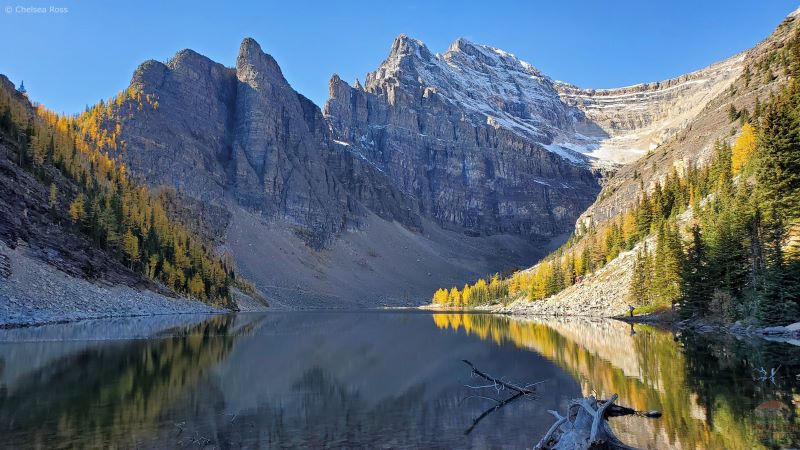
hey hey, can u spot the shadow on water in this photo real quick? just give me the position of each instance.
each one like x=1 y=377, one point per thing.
x=372 y=380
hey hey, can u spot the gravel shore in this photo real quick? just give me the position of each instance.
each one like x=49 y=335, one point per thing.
x=34 y=293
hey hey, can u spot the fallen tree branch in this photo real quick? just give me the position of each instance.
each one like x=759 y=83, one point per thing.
x=497 y=381
x=491 y=410
x=498 y=385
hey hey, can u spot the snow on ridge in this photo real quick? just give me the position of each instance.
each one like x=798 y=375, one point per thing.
x=493 y=86
x=497 y=89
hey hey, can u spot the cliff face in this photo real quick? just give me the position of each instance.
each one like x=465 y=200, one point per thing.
x=244 y=134
x=465 y=134
x=313 y=221
x=639 y=118
x=454 y=164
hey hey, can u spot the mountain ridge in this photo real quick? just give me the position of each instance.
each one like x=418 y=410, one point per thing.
x=468 y=149
x=474 y=139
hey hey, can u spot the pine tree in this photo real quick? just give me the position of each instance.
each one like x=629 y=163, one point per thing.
x=638 y=291
x=668 y=262
x=52 y=200
x=696 y=283
x=777 y=304
x=733 y=114
x=77 y=209
x=778 y=171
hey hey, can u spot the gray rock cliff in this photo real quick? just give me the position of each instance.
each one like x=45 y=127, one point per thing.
x=420 y=119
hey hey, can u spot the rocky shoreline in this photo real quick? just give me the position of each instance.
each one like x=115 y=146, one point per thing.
x=35 y=293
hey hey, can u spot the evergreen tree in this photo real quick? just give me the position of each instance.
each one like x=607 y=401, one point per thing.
x=779 y=153
x=130 y=244
x=696 y=287
x=778 y=304
x=638 y=292
x=52 y=200
x=667 y=265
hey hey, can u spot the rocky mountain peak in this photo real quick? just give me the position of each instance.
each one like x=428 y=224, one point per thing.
x=253 y=63
x=404 y=46
x=464 y=51
x=187 y=57
x=150 y=73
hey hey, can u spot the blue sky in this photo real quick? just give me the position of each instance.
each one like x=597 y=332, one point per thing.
x=74 y=58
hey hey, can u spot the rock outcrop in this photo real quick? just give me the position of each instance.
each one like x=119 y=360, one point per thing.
x=244 y=134
x=465 y=134
x=639 y=118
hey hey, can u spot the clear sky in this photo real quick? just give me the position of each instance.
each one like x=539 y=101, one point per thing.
x=73 y=58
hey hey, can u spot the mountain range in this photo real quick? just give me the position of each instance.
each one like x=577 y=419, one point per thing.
x=439 y=168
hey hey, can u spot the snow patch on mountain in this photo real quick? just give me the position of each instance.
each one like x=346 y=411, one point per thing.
x=584 y=126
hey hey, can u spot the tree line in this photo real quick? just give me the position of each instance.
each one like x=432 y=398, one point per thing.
x=100 y=199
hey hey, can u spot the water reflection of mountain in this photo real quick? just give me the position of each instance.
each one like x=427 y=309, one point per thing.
x=704 y=387
x=363 y=380
x=310 y=380
x=366 y=380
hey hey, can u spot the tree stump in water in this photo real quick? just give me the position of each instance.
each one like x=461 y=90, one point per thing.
x=585 y=426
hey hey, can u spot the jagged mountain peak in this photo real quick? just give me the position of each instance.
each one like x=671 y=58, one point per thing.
x=405 y=45
x=584 y=126
x=488 y=56
x=253 y=62
x=490 y=86
x=184 y=56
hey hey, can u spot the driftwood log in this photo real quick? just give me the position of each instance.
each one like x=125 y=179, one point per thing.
x=519 y=391
x=584 y=427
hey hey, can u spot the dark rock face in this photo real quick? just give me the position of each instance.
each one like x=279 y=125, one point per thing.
x=245 y=134
x=185 y=141
x=417 y=123
x=278 y=157
x=395 y=148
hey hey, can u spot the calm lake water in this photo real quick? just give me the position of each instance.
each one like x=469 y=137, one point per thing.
x=379 y=380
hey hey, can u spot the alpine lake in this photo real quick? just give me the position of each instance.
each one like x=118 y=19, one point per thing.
x=382 y=380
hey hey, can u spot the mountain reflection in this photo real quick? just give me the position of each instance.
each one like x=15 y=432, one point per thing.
x=282 y=380
x=377 y=380
x=704 y=386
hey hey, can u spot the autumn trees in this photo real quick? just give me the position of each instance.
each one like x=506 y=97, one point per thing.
x=481 y=292
x=71 y=154
x=719 y=241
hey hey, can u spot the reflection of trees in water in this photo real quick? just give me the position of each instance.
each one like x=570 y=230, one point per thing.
x=113 y=392
x=716 y=370
x=704 y=388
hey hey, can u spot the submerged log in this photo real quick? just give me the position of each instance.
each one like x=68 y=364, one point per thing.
x=585 y=426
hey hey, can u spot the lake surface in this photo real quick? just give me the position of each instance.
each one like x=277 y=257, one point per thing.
x=379 y=380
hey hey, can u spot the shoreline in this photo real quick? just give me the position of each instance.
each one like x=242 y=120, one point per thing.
x=63 y=321
x=35 y=293
x=789 y=333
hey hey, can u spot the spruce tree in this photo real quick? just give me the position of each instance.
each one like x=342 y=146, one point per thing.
x=778 y=303
x=779 y=153
x=695 y=287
